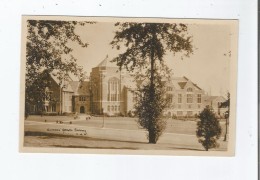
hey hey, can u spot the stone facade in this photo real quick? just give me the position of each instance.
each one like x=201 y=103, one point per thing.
x=81 y=97
x=108 y=89
x=112 y=92
x=186 y=98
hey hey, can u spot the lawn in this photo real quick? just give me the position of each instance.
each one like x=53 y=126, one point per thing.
x=173 y=125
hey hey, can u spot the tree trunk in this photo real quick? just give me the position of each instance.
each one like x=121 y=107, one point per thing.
x=152 y=137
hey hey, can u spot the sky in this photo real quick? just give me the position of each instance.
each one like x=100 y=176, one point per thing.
x=208 y=66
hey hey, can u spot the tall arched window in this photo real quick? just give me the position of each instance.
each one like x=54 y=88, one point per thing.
x=113 y=89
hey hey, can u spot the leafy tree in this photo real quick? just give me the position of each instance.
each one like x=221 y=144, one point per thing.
x=47 y=51
x=208 y=129
x=144 y=46
x=149 y=108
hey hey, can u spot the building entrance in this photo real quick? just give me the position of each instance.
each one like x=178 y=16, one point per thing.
x=82 y=109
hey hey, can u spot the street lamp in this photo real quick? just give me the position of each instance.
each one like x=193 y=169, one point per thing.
x=227 y=118
x=61 y=87
x=102 y=76
x=103 y=125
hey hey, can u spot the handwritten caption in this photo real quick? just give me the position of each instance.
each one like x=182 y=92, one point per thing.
x=76 y=131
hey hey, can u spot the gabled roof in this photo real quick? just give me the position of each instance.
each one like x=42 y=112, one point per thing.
x=55 y=78
x=212 y=98
x=80 y=88
x=83 y=88
x=67 y=87
x=74 y=85
x=182 y=84
x=176 y=82
x=197 y=86
x=65 y=83
x=106 y=63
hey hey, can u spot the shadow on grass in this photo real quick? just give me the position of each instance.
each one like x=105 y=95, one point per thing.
x=87 y=147
x=44 y=135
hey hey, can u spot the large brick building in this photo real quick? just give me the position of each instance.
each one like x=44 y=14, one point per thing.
x=186 y=98
x=111 y=92
x=110 y=89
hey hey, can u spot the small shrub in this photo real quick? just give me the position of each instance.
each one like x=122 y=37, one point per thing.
x=208 y=129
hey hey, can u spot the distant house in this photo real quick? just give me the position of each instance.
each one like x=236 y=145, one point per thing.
x=214 y=102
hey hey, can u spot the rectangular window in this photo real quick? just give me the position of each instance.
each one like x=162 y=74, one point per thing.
x=189 y=113
x=53 y=108
x=199 y=98
x=189 y=98
x=179 y=113
x=179 y=98
x=169 y=88
x=169 y=97
x=113 y=97
x=82 y=98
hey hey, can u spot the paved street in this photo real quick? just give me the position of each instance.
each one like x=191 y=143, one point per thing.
x=118 y=132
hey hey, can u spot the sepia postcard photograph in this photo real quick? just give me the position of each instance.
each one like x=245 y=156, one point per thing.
x=115 y=85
